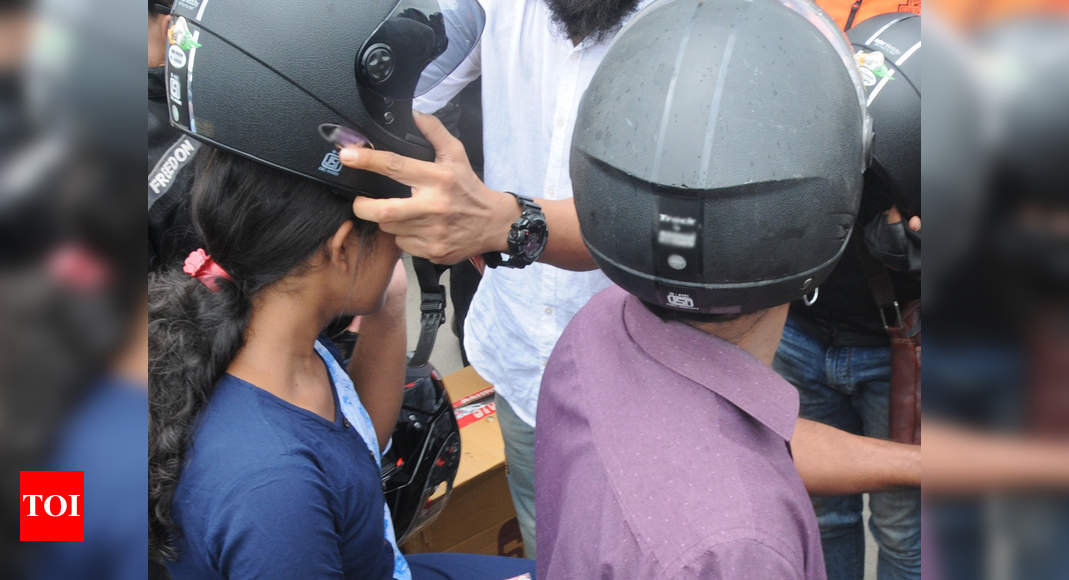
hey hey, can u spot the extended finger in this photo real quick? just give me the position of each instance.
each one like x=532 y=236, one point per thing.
x=390 y=210
x=411 y=172
x=445 y=144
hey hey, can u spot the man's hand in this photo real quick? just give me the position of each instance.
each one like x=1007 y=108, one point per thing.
x=451 y=215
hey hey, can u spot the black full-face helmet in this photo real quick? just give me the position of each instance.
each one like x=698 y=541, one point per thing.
x=888 y=51
x=273 y=80
x=718 y=154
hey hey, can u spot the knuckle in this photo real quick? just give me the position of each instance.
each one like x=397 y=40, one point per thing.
x=395 y=164
x=447 y=179
x=387 y=213
x=456 y=148
x=438 y=251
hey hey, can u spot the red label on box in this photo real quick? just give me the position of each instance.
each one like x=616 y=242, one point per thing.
x=50 y=506
x=472 y=413
x=476 y=396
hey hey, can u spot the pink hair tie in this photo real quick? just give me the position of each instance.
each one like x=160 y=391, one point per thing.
x=202 y=267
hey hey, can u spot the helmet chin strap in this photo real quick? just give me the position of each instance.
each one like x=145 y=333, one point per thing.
x=431 y=307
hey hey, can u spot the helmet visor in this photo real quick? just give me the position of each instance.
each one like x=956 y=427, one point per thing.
x=420 y=43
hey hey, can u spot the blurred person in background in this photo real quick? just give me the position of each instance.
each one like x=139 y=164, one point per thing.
x=15 y=26
x=72 y=292
x=73 y=369
x=836 y=347
x=101 y=275
x=996 y=449
x=16 y=135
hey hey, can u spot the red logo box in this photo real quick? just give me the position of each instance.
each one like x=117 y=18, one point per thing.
x=50 y=506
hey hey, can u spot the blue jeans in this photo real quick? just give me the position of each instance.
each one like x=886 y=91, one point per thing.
x=519 y=459
x=849 y=387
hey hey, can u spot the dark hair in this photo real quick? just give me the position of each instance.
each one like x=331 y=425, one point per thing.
x=594 y=19
x=157 y=7
x=259 y=224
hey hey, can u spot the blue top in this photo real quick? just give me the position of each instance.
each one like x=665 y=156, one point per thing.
x=105 y=439
x=271 y=490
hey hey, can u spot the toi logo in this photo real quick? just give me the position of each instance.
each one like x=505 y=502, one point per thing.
x=50 y=506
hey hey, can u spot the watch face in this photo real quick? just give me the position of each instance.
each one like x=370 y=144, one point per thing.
x=531 y=243
x=534 y=239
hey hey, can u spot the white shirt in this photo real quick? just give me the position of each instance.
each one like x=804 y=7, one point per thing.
x=533 y=78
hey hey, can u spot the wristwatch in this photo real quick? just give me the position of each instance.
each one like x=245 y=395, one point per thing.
x=527 y=237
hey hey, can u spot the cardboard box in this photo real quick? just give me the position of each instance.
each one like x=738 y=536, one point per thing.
x=478 y=517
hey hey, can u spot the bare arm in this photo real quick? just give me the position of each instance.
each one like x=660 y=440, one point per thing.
x=565 y=247
x=965 y=460
x=834 y=462
x=378 y=362
x=452 y=215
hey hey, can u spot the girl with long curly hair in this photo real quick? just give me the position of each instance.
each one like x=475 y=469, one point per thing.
x=263 y=450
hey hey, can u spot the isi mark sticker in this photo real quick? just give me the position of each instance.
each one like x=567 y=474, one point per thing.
x=331 y=164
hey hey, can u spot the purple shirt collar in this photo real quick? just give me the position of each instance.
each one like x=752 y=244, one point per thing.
x=716 y=364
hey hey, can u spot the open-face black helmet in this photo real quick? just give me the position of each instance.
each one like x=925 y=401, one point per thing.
x=888 y=50
x=718 y=154
x=273 y=80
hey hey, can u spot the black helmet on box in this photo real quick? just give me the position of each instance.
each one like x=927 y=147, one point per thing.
x=271 y=80
x=888 y=51
x=419 y=469
x=718 y=154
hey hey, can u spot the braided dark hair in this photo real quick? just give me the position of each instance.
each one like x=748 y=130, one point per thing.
x=259 y=224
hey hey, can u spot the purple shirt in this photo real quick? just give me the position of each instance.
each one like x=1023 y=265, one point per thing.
x=662 y=452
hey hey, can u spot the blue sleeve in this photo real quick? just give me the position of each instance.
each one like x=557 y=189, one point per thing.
x=276 y=524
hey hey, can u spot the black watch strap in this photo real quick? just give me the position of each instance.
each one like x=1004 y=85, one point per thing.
x=529 y=213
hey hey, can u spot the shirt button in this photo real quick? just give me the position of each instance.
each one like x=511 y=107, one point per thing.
x=560 y=123
x=549 y=310
x=346 y=423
